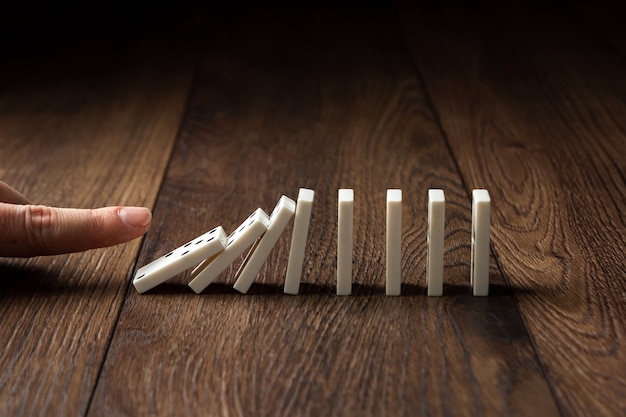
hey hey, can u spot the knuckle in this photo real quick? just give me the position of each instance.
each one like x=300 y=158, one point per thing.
x=97 y=222
x=39 y=226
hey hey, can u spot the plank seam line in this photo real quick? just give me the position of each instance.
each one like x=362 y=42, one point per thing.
x=184 y=114
x=437 y=119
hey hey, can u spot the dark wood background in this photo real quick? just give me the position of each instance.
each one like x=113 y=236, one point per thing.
x=205 y=114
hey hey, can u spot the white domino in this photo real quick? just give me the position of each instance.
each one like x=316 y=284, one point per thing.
x=283 y=212
x=394 y=242
x=344 y=241
x=481 y=219
x=436 y=224
x=180 y=259
x=250 y=230
x=298 y=240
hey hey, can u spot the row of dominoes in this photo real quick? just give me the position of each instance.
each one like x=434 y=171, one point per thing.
x=214 y=251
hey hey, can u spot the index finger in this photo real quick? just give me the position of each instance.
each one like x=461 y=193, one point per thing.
x=39 y=230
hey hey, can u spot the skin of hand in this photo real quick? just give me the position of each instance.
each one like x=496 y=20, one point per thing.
x=32 y=230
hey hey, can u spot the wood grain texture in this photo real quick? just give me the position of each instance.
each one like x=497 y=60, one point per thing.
x=535 y=112
x=282 y=104
x=91 y=125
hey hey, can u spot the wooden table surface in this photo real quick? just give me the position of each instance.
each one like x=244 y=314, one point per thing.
x=203 y=116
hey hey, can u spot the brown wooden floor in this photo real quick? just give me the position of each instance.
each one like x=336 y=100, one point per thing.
x=206 y=115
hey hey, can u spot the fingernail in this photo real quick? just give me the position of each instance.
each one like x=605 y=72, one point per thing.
x=135 y=216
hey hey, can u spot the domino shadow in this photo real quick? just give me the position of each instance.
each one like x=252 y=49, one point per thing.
x=263 y=289
x=495 y=290
x=454 y=290
x=310 y=289
x=222 y=288
x=181 y=288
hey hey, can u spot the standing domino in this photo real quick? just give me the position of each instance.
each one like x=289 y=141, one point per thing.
x=298 y=240
x=250 y=230
x=436 y=223
x=344 y=241
x=184 y=257
x=283 y=212
x=481 y=213
x=394 y=242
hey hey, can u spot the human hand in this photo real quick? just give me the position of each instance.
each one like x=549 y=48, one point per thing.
x=31 y=230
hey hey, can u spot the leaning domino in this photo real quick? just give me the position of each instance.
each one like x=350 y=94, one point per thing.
x=481 y=213
x=180 y=259
x=436 y=223
x=344 y=241
x=298 y=240
x=283 y=212
x=250 y=230
x=394 y=242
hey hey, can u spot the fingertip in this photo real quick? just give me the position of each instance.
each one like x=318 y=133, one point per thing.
x=112 y=225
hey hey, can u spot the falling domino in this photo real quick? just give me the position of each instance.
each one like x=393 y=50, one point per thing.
x=436 y=223
x=481 y=213
x=298 y=240
x=250 y=230
x=344 y=241
x=180 y=259
x=394 y=242
x=283 y=212
x=214 y=251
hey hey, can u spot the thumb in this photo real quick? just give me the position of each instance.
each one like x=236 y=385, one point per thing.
x=31 y=230
x=10 y=195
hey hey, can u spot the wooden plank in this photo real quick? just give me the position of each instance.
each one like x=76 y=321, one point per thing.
x=534 y=112
x=280 y=105
x=93 y=125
